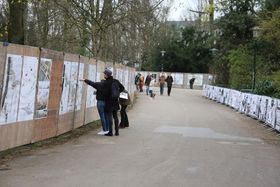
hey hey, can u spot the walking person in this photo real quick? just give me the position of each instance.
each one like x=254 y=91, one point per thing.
x=161 y=83
x=141 y=83
x=112 y=102
x=169 y=81
x=101 y=95
x=136 y=81
x=124 y=103
x=147 y=83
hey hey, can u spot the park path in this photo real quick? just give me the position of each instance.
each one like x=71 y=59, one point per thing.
x=181 y=140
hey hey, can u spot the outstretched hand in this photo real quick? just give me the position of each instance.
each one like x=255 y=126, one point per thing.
x=82 y=79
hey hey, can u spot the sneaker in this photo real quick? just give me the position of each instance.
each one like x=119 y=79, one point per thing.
x=101 y=133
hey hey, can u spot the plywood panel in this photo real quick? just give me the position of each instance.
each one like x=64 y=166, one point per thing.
x=3 y=51
x=81 y=94
x=46 y=127
x=91 y=115
x=65 y=123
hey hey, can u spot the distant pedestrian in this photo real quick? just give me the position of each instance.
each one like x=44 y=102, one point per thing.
x=136 y=81
x=169 y=81
x=124 y=104
x=141 y=83
x=147 y=83
x=161 y=83
x=192 y=82
x=112 y=102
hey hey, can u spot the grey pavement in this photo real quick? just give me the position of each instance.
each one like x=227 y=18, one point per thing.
x=182 y=140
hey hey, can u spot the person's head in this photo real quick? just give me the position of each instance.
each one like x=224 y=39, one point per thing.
x=107 y=73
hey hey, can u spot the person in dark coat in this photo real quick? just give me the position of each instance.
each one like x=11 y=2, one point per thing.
x=112 y=104
x=192 y=82
x=124 y=103
x=169 y=81
x=101 y=94
x=147 y=83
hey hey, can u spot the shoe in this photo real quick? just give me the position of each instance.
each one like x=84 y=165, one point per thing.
x=109 y=134
x=117 y=134
x=101 y=133
x=126 y=126
x=121 y=126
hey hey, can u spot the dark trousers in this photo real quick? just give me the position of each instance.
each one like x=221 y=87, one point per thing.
x=124 y=118
x=169 y=90
x=110 y=115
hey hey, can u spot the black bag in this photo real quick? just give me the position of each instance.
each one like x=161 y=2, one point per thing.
x=115 y=89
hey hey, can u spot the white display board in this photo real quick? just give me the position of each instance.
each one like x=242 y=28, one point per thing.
x=255 y=102
x=271 y=112
x=277 y=115
x=11 y=89
x=80 y=87
x=28 y=88
x=90 y=90
x=178 y=78
x=263 y=108
x=70 y=75
x=198 y=79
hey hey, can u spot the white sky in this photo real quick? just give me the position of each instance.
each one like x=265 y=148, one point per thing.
x=179 y=9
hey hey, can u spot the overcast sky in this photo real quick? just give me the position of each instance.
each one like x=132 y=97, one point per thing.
x=179 y=9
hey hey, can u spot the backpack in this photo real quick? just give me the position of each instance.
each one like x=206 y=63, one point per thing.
x=115 y=89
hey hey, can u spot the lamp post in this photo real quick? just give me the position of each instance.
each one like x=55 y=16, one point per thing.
x=162 y=54
x=255 y=35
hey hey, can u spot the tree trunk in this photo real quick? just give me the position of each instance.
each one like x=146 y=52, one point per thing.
x=16 y=24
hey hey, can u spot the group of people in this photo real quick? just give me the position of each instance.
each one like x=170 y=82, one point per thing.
x=108 y=103
x=139 y=82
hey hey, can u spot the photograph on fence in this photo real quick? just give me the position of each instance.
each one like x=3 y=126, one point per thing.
x=11 y=89
x=90 y=90
x=43 y=88
x=28 y=88
x=178 y=78
x=198 y=79
x=69 y=78
x=80 y=87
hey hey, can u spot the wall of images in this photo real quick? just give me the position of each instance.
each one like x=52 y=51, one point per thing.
x=265 y=109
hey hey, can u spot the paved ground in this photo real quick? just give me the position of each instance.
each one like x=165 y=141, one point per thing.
x=182 y=140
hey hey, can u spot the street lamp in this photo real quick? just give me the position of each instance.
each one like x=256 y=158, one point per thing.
x=162 y=54
x=255 y=35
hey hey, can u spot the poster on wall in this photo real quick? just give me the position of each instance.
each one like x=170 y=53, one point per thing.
x=69 y=79
x=125 y=79
x=255 y=102
x=28 y=88
x=98 y=77
x=198 y=79
x=11 y=89
x=178 y=78
x=277 y=117
x=263 y=108
x=90 y=90
x=73 y=82
x=271 y=112
x=43 y=91
x=80 y=87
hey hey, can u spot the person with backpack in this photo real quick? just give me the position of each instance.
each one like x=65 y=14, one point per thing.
x=101 y=94
x=112 y=101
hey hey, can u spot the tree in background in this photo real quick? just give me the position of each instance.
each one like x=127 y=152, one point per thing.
x=16 y=21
